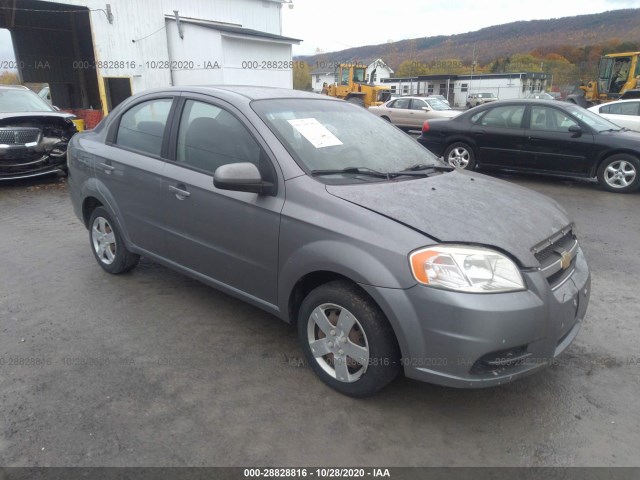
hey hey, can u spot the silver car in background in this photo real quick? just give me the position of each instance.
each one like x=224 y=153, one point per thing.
x=334 y=221
x=410 y=113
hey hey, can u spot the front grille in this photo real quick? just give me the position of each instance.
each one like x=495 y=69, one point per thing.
x=18 y=136
x=557 y=255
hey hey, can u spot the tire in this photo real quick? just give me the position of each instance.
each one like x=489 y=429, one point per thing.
x=356 y=101
x=460 y=155
x=107 y=245
x=322 y=314
x=619 y=173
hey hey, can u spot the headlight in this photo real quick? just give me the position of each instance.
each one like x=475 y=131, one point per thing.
x=465 y=269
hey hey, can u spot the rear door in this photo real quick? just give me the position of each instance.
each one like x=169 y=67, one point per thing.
x=229 y=237
x=550 y=146
x=129 y=169
x=499 y=135
x=624 y=114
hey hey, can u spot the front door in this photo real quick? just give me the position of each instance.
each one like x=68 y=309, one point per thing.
x=230 y=237
x=550 y=146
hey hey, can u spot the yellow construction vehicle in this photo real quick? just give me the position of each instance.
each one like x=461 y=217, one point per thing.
x=618 y=77
x=351 y=86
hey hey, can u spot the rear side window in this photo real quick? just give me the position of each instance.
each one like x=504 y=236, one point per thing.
x=509 y=116
x=210 y=137
x=142 y=126
x=401 y=103
x=627 y=108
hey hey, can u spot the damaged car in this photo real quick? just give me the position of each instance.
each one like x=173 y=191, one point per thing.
x=33 y=135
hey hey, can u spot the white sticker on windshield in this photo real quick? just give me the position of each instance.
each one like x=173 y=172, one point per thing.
x=315 y=132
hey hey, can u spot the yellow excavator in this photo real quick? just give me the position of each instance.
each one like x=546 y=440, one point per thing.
x=618 y=78
x=352 y=87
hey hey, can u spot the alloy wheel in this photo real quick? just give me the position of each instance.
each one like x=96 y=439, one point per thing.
x=104 y=240
x=338 y=342
x=620 y=174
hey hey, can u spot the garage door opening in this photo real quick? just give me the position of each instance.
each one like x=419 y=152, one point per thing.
x=53 y=45
x=116 y=89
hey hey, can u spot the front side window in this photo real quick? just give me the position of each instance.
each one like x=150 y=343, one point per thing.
x=417 y=104
x=209 y=137
x=550 y=120
x=142 y=126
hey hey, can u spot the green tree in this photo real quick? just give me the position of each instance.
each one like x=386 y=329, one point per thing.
x=301 y=76
x=411 y=68
x=9 y=78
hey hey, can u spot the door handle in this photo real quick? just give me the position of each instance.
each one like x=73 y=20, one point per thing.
x=180 y=191
x=107 y=168
x=535 y=139
x=479 y=132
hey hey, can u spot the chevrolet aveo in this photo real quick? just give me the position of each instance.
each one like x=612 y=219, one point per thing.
x=332 y=219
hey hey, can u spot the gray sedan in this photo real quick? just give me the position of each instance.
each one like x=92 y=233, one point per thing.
x=334 y=221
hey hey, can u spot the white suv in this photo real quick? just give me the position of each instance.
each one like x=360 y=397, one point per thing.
x=475 y=99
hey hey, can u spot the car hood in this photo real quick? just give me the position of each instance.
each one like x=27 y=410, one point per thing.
x=39 y=115
x=465 y=207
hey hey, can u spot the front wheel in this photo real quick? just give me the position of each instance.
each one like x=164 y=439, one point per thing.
x=107 y=244
x=460 y=155
x=347 y=340
x=620 y=173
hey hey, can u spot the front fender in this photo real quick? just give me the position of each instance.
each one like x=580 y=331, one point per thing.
x=336 y=257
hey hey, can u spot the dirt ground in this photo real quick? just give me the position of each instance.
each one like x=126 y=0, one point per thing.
x=155 y=369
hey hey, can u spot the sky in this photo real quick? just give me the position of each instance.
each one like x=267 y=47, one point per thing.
x=332 y=25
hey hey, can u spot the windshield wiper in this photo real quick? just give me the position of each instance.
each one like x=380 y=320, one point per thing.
x=423 y=166
x=611 y=130
x=351 y=170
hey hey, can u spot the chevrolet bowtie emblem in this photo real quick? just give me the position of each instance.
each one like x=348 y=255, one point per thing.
x=565 y=261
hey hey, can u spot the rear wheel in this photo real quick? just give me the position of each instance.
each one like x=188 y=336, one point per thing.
x=107 y=244
x=460 y=155
x=620 y=173
x=347 y=340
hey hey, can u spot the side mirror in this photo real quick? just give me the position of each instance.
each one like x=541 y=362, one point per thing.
x=576 y=130
x=241 y=177
x=55 y=108
x=426 y=109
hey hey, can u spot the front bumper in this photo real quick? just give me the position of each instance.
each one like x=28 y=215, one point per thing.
x=482 y=340
x=20 y=161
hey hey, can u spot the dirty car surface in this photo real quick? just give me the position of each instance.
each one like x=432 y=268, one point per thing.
x=33 y=135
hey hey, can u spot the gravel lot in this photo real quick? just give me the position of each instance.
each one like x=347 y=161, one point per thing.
x=154 y=369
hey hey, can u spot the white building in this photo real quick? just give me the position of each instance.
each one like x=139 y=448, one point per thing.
x=379 y=70
x=320 y=77
x=375 y=73
x=456 y=87
x=96 y=54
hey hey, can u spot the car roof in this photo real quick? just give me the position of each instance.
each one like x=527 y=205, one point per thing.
x=13 y=87
x=247 y=92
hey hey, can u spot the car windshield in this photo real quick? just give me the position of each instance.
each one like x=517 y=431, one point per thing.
x=437 y=104
x=328 y=135
x=594 y=120
x=15 y=100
